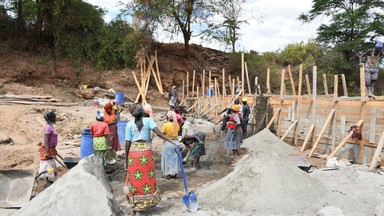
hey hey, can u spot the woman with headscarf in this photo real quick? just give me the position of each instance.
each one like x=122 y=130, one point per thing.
x=100 y=131
x=111 y=120
x=143 y=189
x=169 y=158
x=48 y=150
x=235 y=130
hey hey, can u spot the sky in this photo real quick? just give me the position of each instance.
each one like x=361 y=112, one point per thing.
x=278 y=28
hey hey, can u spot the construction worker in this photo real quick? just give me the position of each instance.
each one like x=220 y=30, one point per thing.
x=246 y=112
x=172 y=95
x=372 y=67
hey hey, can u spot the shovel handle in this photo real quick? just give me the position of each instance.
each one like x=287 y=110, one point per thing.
x=177 y=150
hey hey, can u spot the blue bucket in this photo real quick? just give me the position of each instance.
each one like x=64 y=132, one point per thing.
x=121 y=132
x=86 y=147
x=120 y=98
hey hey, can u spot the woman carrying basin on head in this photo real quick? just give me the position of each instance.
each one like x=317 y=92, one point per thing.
x=143 y=190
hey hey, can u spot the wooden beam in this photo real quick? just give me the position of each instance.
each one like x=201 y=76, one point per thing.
x=344 y=85
x=335 y=86
x=138 y=87
x=299 y=101
x=273 y=118
x=377 y=152
x=362 y=81
x=158 y=73
x=182 y=91
x=325 y=84
x=289 y=129
x=359 y=124
x=187 y=84
x=242 y=73
x=282 y=83
x=325 y=126
x=292 y=80
x=309 y=135
x=314 y=100
x=308 y=84
x=246 y=73
x=269 y=81
x=193 y=83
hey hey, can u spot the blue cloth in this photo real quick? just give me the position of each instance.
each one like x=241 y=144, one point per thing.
x=133 y=134
x=210 y=92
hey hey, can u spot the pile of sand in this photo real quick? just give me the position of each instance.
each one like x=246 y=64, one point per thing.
x=84 y=190
x=264 y=182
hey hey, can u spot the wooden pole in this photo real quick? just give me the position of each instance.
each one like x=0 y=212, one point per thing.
x=309 y=135
x=292 y=80
x=282 y=83
x=203 y=89
x=345 y=140
x=224 y=93
x=158 y=72
x=289 y=129
x=299 y=101
x=242 y=73
x=330 y=116
x=198 y=98
x=377 y=152
x=325 y=84
x=187 y=84
x=308 y=84
x=314 y=101
x=182 y=91
x=233 y=87
x=256 y=83
x=362 y=81
x=344 y=85
x=246 y=73
x=216 y=97
x=138 y=87
x=268 y=81
x=273 y=118
x=193 y=83
x=209 y=79
x=335 y=86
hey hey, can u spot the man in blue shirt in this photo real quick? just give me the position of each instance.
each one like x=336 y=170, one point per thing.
x=246 y=111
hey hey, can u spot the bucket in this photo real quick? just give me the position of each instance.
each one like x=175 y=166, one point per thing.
x=121 y=132
x=86 y=146
x=120 y=98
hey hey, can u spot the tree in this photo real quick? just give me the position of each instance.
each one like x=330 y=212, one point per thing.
x=231 y=12
x=353 y=26
x=185 y=16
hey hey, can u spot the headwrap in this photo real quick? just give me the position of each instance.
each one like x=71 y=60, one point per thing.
x=148 y=110
x=116 y=102
x=49 y=117
x=379 y=44
x=236 y=108
x=138 y=112
x=108 y=106
x=99 y=116
x=172 y=116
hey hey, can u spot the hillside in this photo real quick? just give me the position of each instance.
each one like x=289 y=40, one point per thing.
x=26 y=73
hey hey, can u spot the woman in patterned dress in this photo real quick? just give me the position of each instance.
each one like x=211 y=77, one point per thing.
x=141 y=179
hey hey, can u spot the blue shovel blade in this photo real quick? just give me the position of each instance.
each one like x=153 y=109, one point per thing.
x=190 y=200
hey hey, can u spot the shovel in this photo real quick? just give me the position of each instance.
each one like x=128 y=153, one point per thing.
x=189 y=198
x=227 y=158
x=193 y=151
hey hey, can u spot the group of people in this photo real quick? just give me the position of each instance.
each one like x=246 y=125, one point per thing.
x=234 y=124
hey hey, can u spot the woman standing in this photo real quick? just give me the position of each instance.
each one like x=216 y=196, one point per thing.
x=100 y=131
x=110 y=119
x=48 y=150
x=235 y=130
x=169 y=158
x=143 y=191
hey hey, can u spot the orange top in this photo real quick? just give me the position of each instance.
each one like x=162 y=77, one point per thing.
x=109 y=118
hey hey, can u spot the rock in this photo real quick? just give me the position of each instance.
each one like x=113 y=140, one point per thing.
x=86 y=94
x=330 y=211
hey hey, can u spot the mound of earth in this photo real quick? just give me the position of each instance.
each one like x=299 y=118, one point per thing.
x=264 y=182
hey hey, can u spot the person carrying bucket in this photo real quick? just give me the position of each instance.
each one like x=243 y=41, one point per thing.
x=143 y=190
x=234 y=125
x=100 y=132
x=371 y=68
x=47 y=150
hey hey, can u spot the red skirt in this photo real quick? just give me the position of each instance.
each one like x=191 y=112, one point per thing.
x=143 y=191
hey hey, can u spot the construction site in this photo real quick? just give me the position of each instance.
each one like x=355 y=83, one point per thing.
x=299 y=156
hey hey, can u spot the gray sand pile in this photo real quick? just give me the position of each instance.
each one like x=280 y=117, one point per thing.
x=264 y=182
x=84 y=190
